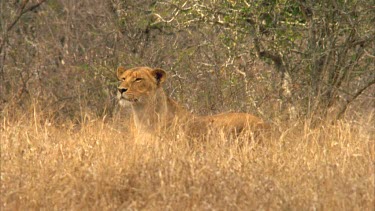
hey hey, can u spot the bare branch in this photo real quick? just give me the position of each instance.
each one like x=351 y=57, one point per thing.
x=21 y=12
x=355 y=96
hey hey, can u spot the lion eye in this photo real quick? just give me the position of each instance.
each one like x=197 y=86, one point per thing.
x=138 y=79
x=123 y=79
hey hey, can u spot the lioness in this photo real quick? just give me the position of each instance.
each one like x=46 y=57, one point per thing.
x=154 y=111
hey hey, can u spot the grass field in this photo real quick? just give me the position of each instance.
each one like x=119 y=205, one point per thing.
x=97 y=166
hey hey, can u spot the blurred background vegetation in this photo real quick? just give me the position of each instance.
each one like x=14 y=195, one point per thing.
x=280 y=59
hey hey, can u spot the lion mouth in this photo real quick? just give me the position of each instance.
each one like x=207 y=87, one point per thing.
x=133 y=100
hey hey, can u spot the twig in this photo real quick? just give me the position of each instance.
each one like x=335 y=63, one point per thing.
x=359 y=92
x=21 y=12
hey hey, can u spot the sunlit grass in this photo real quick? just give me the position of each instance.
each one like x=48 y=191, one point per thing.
x=98 y=165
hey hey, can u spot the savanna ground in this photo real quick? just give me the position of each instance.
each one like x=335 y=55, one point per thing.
x=307 y=67
x=97 y=165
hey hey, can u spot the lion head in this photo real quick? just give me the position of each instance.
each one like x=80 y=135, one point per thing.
x=139 y=85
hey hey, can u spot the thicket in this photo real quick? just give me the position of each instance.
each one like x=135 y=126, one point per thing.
x=277 y=59
x=65 y=144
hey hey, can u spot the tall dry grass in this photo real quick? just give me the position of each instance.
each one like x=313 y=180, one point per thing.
x=96 y=165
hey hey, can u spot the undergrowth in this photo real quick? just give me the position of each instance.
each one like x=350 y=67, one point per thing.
x=98 y=165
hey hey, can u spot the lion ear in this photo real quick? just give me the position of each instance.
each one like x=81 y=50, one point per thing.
x=120 y=71
x=160 y=75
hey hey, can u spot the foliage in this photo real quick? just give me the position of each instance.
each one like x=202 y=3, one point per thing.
x=321 y=52
x=321 y=46
x=65 y=144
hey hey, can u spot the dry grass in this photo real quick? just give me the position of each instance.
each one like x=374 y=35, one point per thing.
x=99 y=167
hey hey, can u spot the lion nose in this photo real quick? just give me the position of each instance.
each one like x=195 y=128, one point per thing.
x=122 y=90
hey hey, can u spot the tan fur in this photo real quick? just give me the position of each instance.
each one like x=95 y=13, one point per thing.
x=154 y=112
